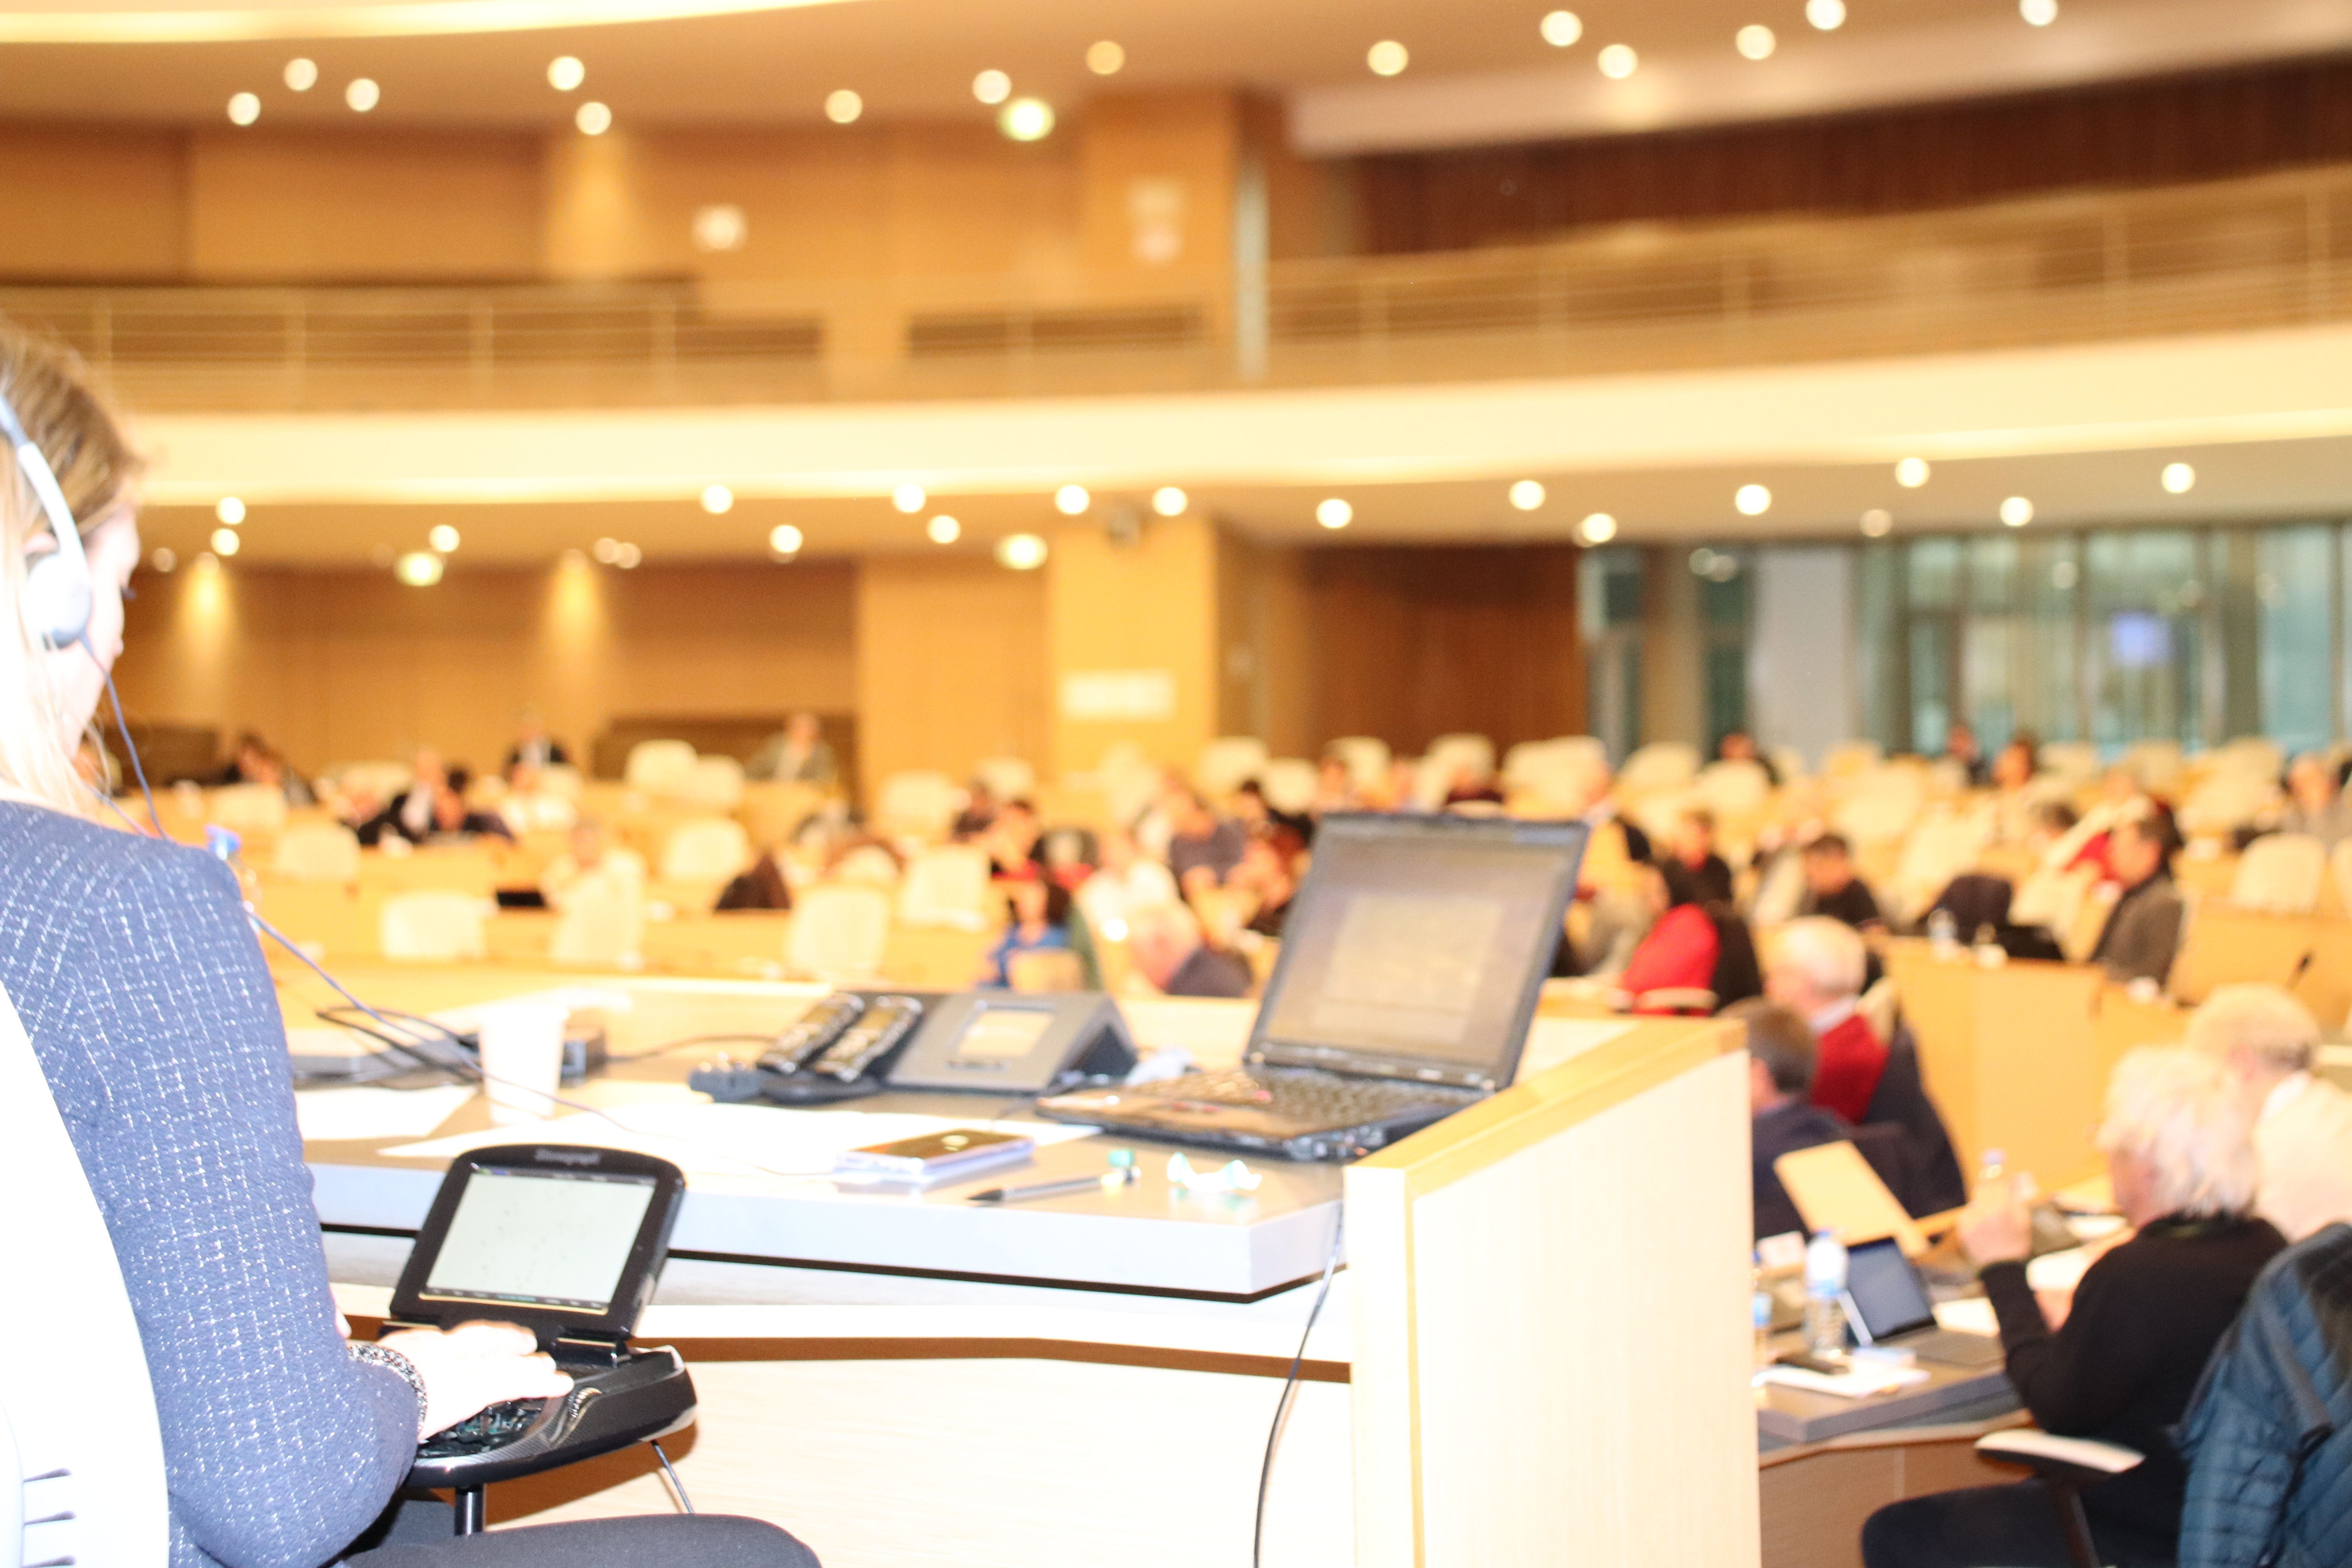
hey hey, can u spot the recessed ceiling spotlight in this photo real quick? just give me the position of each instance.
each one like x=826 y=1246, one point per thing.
x=1599 y=528
x=1071 y=499
x=2178 y=479
x=1877 y=523
x=2017 y=511
x=1104 y=59
x=229 y=509
x=992 y=87
x=1026 y=119
x=301 y=75
x=720 y=227
x=1169 y=502
x=164 y=560
x=419 y=568
x=1334 y=512
x=1618 y=61
x=1528 y=494
x=1753 y=501
x=785 y=540
x=442 y=537
x=908 y=497
x=717 y=499
x=1911 y=473
x=1828 y=16
x=943 y=530
x=2038 y=12
x=1755 y=41
x=607 y=551
x=244 y=108
x=1021 y=552
x=628 y=558
x=843 y=107
x=594 y=119
x=1386 y=57
x=363 y=94
x=565 y=72
x=1561 y=28
x=225 y=542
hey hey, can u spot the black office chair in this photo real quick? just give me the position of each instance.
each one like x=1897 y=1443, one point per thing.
x=1901 y=1101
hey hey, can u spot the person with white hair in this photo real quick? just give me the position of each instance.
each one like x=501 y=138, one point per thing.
x=1814 y=967
x=2146 y=1319
x=2302 y=1124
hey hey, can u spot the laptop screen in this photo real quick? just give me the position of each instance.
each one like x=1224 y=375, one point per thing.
x=1418 y=944
x=541 y=1238
x=1885 y=1291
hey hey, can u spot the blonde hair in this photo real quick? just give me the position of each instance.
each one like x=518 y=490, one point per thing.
x=2174 y=1110
x=94 y=464
x=2263 y=1021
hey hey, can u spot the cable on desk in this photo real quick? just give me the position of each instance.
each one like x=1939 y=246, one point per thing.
x=1290 y=1387
x=744 y=1040
x=685 y=1503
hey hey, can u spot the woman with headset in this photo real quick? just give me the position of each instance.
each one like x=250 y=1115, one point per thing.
x=136 y=975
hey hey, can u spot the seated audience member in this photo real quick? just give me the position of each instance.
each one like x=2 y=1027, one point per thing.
x=1258 y=815
x=1471 y=787
x=1693 y=944
x=453 y=817
x=2316 y=803
x=1016 y=841
x=761 y=885
x=1037 y=921
x=2015 y=791
x=534 y=747
x=2302 y=1124
x=1740 y=746
x=1204 y=848
x=1781 y=1119
x=798 y=754
x=1815 y=968
x=2145 y=1316
x=1960 y=748
x=256 y=761
x=1270 y=871
x=409 y=812
x=1128 y=880
x=1165 y=942
x=978 y=813
x=1691 y=846
x=530 y=806
x=586 y=857
x=1831 y=889
x=2143 y=931
x=1335 y=786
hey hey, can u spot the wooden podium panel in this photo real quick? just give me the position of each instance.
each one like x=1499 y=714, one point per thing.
x=1551 y=1336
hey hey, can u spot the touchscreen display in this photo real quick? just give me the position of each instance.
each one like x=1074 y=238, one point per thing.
x=1004 y=1033
x=1885 y=1290
x=541 y=1238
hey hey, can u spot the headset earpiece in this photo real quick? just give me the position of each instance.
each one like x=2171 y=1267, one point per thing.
x=58 y=593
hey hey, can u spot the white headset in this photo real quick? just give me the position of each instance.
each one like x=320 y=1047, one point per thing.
x=58 y=597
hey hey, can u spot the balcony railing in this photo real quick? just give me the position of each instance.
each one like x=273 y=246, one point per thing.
x=2236 y=254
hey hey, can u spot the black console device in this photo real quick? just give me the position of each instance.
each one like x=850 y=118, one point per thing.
x=566 y=1241
x=834 y=1051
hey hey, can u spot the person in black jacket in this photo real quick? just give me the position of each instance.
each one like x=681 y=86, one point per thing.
x=2123 y=1363
x=1783 y=1118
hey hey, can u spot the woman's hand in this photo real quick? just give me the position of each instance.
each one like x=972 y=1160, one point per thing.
x=474 y=1365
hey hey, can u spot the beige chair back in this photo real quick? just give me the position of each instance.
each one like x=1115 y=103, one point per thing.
x=317 y=852
x=946 y=887
x=659 y=767
x=2280 y=873
x=706 y=849
x=433 y=926
x=839 y=933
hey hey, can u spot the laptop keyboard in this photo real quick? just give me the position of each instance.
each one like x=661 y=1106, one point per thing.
x=1308 y=1096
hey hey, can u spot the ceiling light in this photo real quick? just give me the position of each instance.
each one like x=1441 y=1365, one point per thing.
x=716 y=498
x=1618 y=61
x=720 y=227
x=164 y=560
x=908 y=497
x=1021 y=552
x=1526 y=494
x=1071 y=499
x=243 y=108
x=1104 y=59
x=992 y=87
x=1753 y=501
x=442 y=538
x=2017 y=511
x=594 y=119
x=1598 y=529
x=607 y=551
x=1026 y=119
x=225 y=542
x=565 y=72
x=1386 y=57
x=301 y=75
x=1828 y=16
x=418 y=569
x=785 y=540
x=2038 y=12
x=943 y=530
x=628 y=558
x=1168 y=501
x=1334 y=512
x=843 y=107
x=1562 y=28
x=1877 y=523
x=363 y=94
x=2178 y=479
x=1755 y=41
x=229 y=509
x=1911 y=473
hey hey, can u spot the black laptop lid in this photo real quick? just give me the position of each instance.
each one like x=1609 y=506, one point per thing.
x=1418 y=945
x=566 y=1240
x=1885 y=1291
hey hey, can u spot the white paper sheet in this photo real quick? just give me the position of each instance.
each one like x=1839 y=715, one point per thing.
x=359 y=1112
x=1968 y=1315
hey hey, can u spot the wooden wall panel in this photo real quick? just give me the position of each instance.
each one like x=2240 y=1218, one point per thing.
x=950 y=664
x=92 y=205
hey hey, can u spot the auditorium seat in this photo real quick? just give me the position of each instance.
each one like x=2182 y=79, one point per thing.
x=714 y=783
x=1289 y=783
x=317 y=852
x=1228 y=762
x=2281 y=874
x=433 y=926
x=946 y=886
x=917 y=805
x=1007 y=778
x=1367 y=759
x=838 y=934
x=659 y=767
x=705 y=849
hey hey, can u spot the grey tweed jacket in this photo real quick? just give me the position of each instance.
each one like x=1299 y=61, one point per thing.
x=155 y=1021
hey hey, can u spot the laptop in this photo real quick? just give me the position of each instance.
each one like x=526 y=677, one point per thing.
x=1411 y=960
x=1886 y=1302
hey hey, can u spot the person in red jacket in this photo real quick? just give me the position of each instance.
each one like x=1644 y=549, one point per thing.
x=1692 y=945
x=1815 y=969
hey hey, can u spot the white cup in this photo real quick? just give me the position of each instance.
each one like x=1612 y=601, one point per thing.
x=522 y=1059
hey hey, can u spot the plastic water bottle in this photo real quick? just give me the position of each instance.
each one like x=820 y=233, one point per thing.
x=1760 y=1310
x=1943 y=932
x=1825 y=1287
x=1992 y=1173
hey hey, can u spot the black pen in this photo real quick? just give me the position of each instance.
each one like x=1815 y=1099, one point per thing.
x=1107 y=1180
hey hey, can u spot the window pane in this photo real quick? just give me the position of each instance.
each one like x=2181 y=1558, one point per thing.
x=2292 y=605
x=2144 y=601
